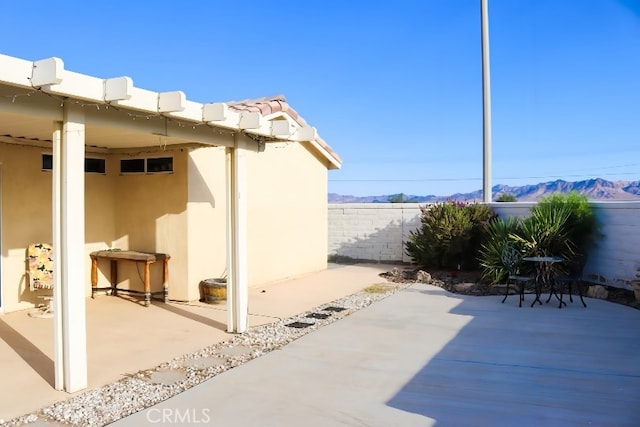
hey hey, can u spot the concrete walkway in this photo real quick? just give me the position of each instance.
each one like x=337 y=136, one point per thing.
x=124 y=337
x=424 y=357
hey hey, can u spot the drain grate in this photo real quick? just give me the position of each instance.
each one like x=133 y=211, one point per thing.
x=318 y=315
x=333 y=308
x=299 y=325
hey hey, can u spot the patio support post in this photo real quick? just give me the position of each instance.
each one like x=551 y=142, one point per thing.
x=237 y=285
x=70 y=329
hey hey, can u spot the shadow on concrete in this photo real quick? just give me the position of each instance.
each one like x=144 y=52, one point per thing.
x=192 y=316
x=32 y=355
x=530 y=366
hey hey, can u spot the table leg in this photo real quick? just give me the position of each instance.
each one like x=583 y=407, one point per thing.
x=165 y=279
x=114 y=277
x=553 y=291
x=94 y=276
x=538 y=292
x=147 y=285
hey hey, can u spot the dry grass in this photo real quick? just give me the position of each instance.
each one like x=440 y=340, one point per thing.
x=380 y=288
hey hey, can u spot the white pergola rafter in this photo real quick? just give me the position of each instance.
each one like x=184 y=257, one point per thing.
x=68 y=102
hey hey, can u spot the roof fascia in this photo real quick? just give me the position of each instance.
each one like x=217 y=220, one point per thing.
x=301 y=132
x=55 y=80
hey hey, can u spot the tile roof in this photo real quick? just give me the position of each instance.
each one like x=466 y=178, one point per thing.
x=278 y=104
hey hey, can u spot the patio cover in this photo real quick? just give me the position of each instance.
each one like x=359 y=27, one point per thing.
x=41 y=101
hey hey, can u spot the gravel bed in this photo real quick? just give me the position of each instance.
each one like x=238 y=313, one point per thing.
x=104 y=405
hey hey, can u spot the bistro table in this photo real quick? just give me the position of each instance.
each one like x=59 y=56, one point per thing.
x=138 y=257
x=543 y=275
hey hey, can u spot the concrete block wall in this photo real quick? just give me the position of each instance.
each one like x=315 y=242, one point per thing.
x=372 y=231
x=615 y=258
x=378 y=232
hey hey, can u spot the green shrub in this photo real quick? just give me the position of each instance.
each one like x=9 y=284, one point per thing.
x=581 y=225
x=559 y=225
x=449 y=236
x=506 y=197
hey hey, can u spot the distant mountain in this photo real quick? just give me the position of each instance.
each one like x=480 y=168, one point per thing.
x=407 y=198
x=594 y=189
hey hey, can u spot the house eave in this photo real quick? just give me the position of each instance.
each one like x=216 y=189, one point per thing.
x=169 y=114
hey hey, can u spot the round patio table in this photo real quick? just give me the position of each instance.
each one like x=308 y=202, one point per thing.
x=543 y=275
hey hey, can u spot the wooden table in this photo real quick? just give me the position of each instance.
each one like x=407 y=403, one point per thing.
x=138 y=257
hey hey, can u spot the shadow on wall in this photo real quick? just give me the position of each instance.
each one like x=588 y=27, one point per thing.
x=382 y=245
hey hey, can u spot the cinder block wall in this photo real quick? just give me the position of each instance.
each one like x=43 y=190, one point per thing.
x=372 y=231
x=615 y=258
x=378 y=232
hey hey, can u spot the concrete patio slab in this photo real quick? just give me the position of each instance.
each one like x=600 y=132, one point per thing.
x=424 y=357
x=124 y=337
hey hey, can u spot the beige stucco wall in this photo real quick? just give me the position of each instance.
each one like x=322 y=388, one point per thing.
x=181 y=213
x=287 y=218
x=150 y=216
x=100 y=226
x=143 y=212
x=26 y=217
x=206 y=213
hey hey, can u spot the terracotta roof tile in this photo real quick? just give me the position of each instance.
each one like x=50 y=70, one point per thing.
x=277 y=104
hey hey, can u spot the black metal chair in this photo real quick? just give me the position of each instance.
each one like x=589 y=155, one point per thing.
x=575 y=267
x=512 y=260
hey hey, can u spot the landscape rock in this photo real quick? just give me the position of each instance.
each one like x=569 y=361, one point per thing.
x=598 y=291
x=463 y=287
x=423 y=277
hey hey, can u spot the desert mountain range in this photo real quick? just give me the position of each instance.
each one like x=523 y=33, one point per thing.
x=594 y=189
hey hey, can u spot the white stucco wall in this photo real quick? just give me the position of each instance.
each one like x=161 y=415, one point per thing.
x=377 y=231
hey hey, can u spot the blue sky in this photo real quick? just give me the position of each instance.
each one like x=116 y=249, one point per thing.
x=393 y=87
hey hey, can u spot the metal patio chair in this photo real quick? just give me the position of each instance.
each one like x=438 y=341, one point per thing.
x=575 y=268
x=512 y=260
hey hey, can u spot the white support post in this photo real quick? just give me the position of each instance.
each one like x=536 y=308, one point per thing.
x=58 y=358
x=68 y=245
x=237 y=284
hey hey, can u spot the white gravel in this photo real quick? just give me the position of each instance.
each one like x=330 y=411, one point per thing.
x=104 y=405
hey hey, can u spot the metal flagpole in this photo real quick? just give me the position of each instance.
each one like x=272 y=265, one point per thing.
x=486 y=105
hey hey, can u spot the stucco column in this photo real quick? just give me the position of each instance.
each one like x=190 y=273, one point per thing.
x=237 y=284
x=70 y=330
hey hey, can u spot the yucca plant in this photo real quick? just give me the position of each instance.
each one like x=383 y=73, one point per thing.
x=581 y=226
x=498 y=233
x=546 y=232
